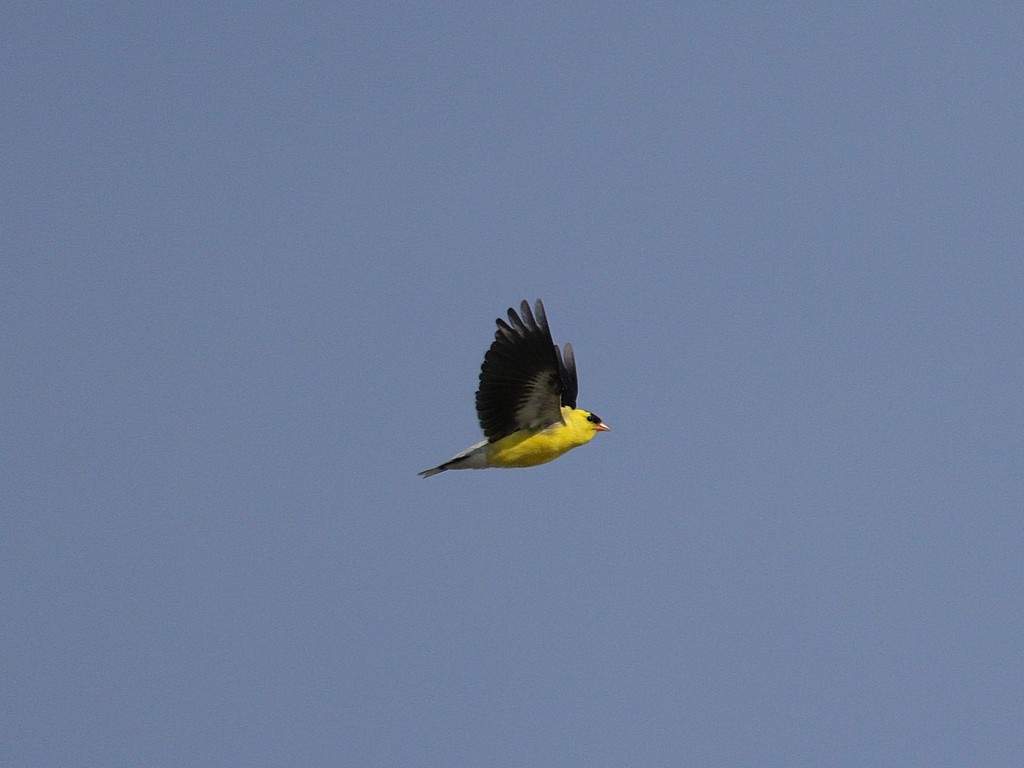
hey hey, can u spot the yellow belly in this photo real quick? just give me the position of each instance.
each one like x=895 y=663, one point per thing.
x=526 y=449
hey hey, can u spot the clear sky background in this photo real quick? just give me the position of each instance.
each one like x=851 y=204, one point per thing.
x=251 y=263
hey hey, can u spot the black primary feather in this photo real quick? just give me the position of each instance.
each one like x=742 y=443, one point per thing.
x=523 y=380
x=567 y=370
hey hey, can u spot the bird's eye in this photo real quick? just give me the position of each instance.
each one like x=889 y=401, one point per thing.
x=593 y=419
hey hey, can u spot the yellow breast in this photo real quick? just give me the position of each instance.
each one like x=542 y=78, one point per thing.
x=529 y=448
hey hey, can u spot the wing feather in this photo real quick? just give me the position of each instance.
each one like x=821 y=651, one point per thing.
x=523 y=378
x=567 y=371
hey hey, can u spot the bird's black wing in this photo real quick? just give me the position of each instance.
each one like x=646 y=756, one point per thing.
x=567 y=370
x=522 y=377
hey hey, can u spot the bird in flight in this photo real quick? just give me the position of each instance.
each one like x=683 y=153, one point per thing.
x=526 y=402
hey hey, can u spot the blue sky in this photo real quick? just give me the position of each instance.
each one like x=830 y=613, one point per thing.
x=251 y=263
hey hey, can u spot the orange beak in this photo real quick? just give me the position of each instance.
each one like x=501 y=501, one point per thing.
x=602 y=427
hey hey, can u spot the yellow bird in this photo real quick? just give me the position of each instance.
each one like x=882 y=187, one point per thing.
x=526 y=402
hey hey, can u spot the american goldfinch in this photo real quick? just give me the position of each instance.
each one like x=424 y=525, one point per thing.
x=526 y=402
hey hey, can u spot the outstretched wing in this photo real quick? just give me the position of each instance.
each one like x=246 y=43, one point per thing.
x=523 y=380
x=567 y=370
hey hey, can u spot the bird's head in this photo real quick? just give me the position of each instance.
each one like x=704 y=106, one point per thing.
x=595 y=421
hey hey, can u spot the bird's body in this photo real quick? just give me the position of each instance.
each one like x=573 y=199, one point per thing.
x=527 y=399
x=526 y=448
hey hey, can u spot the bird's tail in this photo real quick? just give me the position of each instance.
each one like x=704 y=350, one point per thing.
x=435 y=471
x=474 y=457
